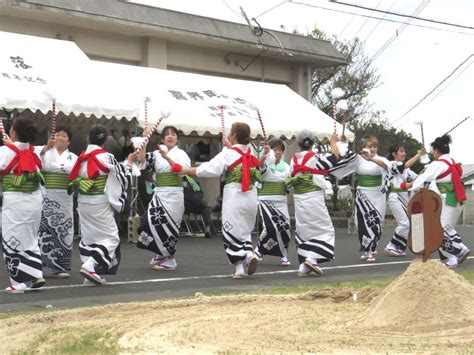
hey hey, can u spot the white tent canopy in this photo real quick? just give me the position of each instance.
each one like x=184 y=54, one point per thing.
x=33 y=70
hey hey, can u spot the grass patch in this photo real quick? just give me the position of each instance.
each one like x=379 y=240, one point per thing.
x=72 y=340
x=468 y=275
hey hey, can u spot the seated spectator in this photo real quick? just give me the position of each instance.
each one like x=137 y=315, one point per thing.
x=195 y=203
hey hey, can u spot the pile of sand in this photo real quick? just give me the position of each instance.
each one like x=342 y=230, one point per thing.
x=426 y=297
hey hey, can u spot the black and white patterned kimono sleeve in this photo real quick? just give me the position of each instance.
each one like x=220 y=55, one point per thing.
x=118 y=181
x=345 y=166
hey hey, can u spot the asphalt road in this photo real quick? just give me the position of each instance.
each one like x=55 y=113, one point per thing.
x=203 y=267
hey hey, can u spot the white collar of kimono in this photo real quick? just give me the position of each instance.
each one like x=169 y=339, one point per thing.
x=92 y=147
x=21 y=145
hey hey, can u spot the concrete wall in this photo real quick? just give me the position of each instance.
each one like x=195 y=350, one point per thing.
x=100 y=44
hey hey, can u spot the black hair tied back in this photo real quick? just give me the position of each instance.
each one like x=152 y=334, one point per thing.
x=442 y=143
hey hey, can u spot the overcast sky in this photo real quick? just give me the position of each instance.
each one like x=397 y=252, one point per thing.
x=410 y=67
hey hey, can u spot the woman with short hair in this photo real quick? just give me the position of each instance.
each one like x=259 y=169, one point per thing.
x=56 y=232
x=398 y=198
x=239 y=204
x=370 y=202
x=273 y=205
x=159 y=228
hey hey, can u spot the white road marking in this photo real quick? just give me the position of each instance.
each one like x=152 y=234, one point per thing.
x=354 y=266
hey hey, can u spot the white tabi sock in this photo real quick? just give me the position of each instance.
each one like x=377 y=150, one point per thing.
x=239 y=269
x=303 y=269
x=89 y=264
x=170 y=262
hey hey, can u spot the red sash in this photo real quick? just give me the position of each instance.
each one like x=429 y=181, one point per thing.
x=248 y=161
x=94 y=166
x=24 y=161
x=302 y=168
x=456 y=172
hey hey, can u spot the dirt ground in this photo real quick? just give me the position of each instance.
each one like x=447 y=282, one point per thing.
x=428 y=309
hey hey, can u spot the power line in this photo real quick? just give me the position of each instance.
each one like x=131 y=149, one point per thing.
x=420 y=8
x=367 y=19
x=403 y=15
x=452 y=81
x=378 y=18
x=231 y=9
x=348 y=23
x=273 y=8
x=378 y=22
x=432 y=90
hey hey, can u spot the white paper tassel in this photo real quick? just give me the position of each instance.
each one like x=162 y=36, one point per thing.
x=342 y=105
x=337 y=93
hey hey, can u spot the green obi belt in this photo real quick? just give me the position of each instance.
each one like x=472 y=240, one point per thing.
x=235 y=175
x=448 y=189
x=272 y=188
x=58 y=181
x=302 y=184
x=396 y=189
x=90 y=187
x=169 y=180
x=369 y=180
x=26 y=183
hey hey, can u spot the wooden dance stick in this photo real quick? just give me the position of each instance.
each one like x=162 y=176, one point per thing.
x=458 y=124
x=146 y=112
x=222 y=121
x=149 y=134
x=263 y=128
x=53 y=119
x=2 y=129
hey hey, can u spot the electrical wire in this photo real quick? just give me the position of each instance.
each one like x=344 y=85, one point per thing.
x=403 y=15
x=273 y=8
x=378 y=18
x=452 y=81
x=397 y=33
x=431 y=91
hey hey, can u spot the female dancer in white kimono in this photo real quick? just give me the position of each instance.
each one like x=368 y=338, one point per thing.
x=446 y=175
x=102 y=184
x=370 y=201
x=273 y=204
x=21 y=213
x=314 y=235
x=239 y=204
x=56 y=232
x=159 y=227
x=400 y=172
